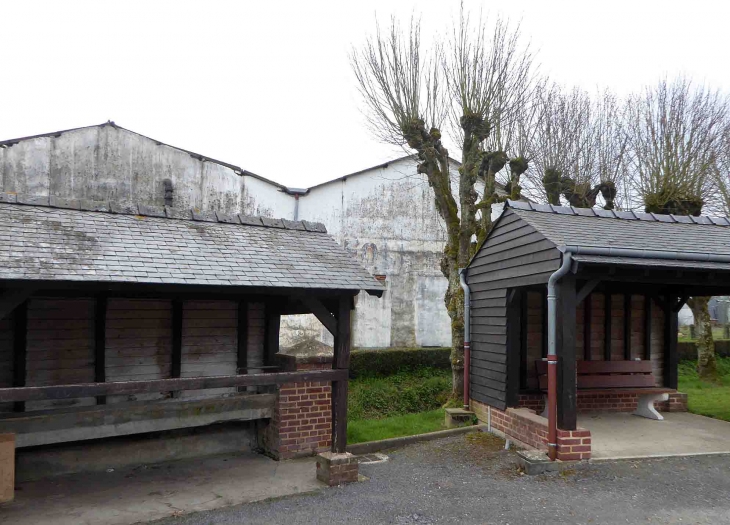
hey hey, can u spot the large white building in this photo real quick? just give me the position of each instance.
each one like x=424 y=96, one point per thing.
x=384 y=215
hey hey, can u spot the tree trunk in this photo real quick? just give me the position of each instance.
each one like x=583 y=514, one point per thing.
x=706 y=361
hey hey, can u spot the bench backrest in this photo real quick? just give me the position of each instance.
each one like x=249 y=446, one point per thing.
x=606 y=374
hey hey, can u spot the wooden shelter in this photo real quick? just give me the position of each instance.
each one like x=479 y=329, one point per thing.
x=626 y=275
x=121 y=319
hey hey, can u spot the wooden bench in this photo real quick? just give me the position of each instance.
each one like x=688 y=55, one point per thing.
x=610 y=377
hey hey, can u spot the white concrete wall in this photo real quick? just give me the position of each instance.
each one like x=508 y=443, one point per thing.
x=110 y=163
x=384 y=217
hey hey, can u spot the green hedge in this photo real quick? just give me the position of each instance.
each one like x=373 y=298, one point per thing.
x=398 y=394
x=389 y=361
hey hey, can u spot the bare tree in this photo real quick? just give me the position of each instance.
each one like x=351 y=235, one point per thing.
x=481 y=80
x=579 y=148
x=676 y=130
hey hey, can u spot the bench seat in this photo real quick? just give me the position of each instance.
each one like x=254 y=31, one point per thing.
x=611 y=377
x=44 y=427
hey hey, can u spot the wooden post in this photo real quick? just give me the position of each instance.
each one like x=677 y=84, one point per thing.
x=177 y=323
x=647 y=327
x=100 y=344
x=242 y=339
x=587 y=314
x=627 y=327
x=607 y=326
x=671 y=327
x=20 y=350
x=565 y=343
x=341 y=361
x=516 y=349
x=271 y=337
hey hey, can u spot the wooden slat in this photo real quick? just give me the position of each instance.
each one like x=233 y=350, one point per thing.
x=615 y=381
x=20 y=336
x=627 y=326
x=35 y=393
x=647 y=327
x=100 y=344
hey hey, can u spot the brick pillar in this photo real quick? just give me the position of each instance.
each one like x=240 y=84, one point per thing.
x=7 y=467
x=302 y=421
x=336 y=469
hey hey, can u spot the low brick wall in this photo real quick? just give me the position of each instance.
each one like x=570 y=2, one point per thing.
x=614 y=402
x=302 y=421
x=527 y=429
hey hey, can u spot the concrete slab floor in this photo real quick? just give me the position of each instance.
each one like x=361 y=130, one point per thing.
x=681 y=433
x=141 y=494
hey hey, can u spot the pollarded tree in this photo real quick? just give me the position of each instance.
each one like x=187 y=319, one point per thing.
x=579 y=148
x=479 y=83
x=676 y=130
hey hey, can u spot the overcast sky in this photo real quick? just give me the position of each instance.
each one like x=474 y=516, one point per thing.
x=267 y=85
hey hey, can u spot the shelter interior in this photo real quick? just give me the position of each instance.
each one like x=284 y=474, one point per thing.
x=79 y=364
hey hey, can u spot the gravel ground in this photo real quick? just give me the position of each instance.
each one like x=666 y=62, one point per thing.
x=467 y=479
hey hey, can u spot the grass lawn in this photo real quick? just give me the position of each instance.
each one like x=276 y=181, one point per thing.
x=361 y=430
x=402 y=404
x=707 y=399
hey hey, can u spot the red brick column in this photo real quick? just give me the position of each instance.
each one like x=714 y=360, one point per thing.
x=302 y=421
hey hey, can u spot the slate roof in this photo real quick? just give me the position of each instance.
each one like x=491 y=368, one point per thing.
x=70 y=240
x=588 y=227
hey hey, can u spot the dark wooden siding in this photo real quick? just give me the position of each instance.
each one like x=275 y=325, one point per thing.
x=514 y=255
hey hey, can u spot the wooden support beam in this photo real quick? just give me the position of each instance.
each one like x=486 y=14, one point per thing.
x=516 y=352
x=647 y=327
x=20 y=350
x=177 y=323
x=523 y=326
x=242 y=336
x=587 y=318
x=38 y=393
x=671 y=360
x=607 y=326
x=271 y=337
x=627 y=327
x=341 y=363
x=321 y=312
x=567 y=367
x=100 y=343
x=586 y=289
x=681 y=301
x=11 y=299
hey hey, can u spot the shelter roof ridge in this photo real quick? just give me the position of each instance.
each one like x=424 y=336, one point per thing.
x=615 y=214
x=168 y=212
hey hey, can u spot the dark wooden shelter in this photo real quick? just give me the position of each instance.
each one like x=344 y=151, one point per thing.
x=120 y=319
x=629 y=274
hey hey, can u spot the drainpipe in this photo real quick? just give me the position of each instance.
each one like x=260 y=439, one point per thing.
x=552 y=358
x=296 y=206
x=467 y=334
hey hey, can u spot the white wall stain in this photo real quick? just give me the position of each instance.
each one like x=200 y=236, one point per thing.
x=384 y=217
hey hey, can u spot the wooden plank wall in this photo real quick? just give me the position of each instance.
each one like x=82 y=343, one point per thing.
x=60 y=347
x=138 y=343
x=209 y=343
x=61 y=344
x=597 y=332
x=6 y=358
x=514 y=255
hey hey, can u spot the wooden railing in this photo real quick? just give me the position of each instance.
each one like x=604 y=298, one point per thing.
x=37 y=393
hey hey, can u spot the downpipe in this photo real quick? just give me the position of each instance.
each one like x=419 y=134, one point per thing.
x=467 y=334
x=552 y=358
